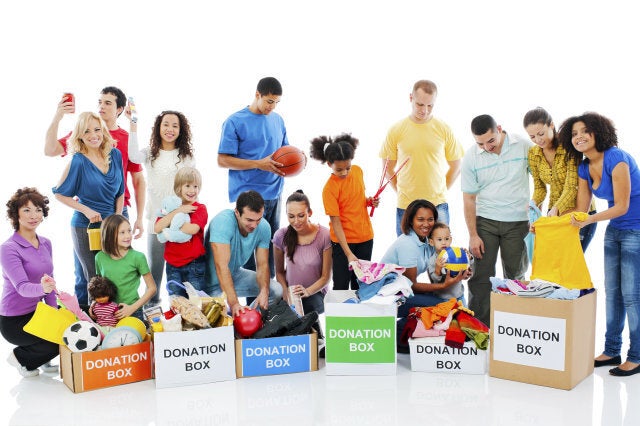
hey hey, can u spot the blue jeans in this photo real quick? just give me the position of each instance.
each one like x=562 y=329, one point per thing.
x=246 y=285
x=443 y=216
x=272 y=216
x=192 y=272
x=622 y=290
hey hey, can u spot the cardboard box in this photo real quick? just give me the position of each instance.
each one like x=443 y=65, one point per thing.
x=546 y=342
x=84 y=371
x=360 y=339
x=276 y=355
x=194 y=357
x=430 y=354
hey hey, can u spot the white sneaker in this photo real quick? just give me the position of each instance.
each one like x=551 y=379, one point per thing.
x=49 y=368
x=11 y=359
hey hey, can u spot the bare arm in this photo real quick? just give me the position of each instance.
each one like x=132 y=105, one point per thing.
x=221 y=258
x=227 y=161
x=476 y=245
x=53 y=148
x=621 y=181
x=165 y=221
x=453 y=172
x=281 y=273
x=151 y=289
x=391 y=165
x=139 y=189
x=263 y=276
x=418 y=287
x=342 y=239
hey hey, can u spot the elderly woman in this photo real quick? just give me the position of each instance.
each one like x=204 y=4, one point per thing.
x=27 y=272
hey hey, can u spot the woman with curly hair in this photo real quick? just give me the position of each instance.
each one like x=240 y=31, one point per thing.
x=92 y=185
x=169 y=150
x=27 y=272
x=611 y=174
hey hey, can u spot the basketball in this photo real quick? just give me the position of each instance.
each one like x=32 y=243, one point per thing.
x=293 y=160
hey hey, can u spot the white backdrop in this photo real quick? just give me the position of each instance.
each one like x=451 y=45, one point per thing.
x=344 y=66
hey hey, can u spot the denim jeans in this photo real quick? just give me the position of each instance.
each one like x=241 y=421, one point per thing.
x=192 y=272
x=246 y=285
x=443 y=216
x=622 y=290
x=272 y=216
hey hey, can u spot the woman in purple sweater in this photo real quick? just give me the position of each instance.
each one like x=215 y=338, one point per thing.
x=27 y=271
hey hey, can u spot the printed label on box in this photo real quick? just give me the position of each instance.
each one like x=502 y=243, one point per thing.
x=194 y=357
x=361 y=339
x=427 y=355
x=529 y=340
x=276 y=355
x=117 y=366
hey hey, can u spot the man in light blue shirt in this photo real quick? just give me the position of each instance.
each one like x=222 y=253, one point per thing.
x=233 y=236
x=495 y=186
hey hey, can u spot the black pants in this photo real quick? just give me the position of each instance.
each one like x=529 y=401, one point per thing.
x=342 y=276
x=31 y=351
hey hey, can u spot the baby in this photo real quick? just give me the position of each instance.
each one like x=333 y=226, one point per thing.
x=103 y=308
x=440 y=240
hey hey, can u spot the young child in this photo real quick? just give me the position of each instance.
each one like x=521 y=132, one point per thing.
x=346 y=204
x=124 y=266
x=103 y=308
x=186 y=261
x=440 y=240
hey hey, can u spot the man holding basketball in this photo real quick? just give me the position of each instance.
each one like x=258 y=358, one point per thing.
x=249 y=138
x=434 y=154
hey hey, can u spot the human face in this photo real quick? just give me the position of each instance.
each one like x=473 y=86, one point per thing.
x=189 y=192
x=298 y=215
x=582 y=140
x=340 y=168
x=541 y=134
x=169 y=128
x=421 y=106
x=440 y=239
x=93 y=136
x=30 y=217
x=248 y=221
x=491 y=141
x=108 y=108
x=423 y=222
x=266 y=103
x=124 y=235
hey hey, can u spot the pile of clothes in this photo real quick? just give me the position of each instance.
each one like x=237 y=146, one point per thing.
x=380 y=283
x=536 y=288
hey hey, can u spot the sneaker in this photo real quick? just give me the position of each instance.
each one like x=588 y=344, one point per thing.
x=21 y=368
x=321 y=346
x=47 y=367
x=278 y=319
x=304 y=327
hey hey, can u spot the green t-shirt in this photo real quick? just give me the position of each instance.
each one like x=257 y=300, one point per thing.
x=125 y=273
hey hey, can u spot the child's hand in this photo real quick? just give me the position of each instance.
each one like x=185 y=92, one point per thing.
x=187 y=208
x=373 y=201
x=124 y=311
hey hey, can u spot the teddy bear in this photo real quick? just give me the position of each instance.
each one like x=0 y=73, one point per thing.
x=173 y=232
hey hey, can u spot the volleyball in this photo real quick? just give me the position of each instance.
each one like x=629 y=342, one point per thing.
x=456 y=259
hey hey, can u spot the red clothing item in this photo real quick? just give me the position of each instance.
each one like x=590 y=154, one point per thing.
x=121 y=137
x=346 y=198
x=180 y=254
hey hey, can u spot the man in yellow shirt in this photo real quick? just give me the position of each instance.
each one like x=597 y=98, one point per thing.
x=433 y=151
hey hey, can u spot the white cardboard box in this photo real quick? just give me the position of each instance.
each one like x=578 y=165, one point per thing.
x=194 y=357
x=430 y=354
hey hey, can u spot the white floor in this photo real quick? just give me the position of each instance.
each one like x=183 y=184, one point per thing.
x=318 y=399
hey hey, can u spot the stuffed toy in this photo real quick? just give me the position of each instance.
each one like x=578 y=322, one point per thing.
x=173 y=232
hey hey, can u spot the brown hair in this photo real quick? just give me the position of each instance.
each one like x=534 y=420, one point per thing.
x=20 y=199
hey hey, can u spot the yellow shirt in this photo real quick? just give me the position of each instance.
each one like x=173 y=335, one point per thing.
x=430 y=146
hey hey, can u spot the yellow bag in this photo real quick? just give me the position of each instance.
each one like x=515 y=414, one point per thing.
x=557 y=254
x=49 y=323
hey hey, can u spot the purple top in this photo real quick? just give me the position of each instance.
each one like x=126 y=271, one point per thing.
x=306 y=267
x=23 y=266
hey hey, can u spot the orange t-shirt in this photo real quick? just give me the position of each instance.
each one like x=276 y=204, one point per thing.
x=345 y=198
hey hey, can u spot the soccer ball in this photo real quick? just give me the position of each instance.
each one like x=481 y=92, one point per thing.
x=456 y=259
x=81 y=336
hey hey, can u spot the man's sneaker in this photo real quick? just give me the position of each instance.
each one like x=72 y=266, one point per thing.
x=47 y=367
x=304 y=327
x=21 y=368
x=278 y=318
x=321 y=346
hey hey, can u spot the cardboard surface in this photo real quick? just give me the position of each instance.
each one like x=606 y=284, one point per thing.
x=84 y=371
x=542 y=341
x=194 y=357
x=360 y=339
x=276 y=355
x=430 y=354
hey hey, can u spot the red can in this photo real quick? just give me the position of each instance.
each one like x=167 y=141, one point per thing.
x=68 y=97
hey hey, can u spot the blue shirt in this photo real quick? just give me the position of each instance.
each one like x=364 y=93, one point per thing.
x=499 y=181
x=223 y=229
x=252 y=137
x=612 y=157
x=408 y=251
x=94 y=189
